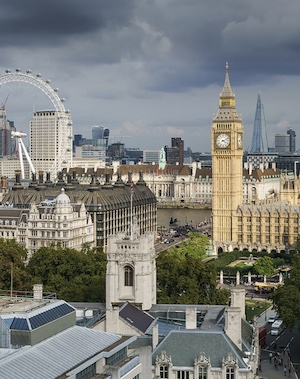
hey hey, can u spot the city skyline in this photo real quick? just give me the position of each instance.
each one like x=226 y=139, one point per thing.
x=150 y=71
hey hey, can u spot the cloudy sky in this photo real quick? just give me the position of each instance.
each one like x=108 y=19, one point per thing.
x=150 y=70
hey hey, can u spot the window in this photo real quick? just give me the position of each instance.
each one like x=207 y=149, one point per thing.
x=230 y=373
x=202 y=372
x=128 y=276
x=164 y=371
x=87 y=372
x=183 y=374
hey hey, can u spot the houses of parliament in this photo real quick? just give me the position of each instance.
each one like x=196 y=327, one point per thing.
x=260 y=225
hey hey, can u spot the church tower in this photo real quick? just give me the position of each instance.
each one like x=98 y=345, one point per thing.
x=131 y=270
x=227 y=168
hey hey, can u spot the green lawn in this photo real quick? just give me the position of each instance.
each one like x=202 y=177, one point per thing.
x=255 y=308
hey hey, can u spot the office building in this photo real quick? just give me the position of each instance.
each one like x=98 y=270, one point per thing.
x=282 y=143
x=100 y=135
x=292 y=135
x=151 y=156
x=286 y=143
x=175 y=153
x=7 y=143
x=93 y=148
x=51 y=141
x=116 y=151
x=110 y=205
x=179 y=144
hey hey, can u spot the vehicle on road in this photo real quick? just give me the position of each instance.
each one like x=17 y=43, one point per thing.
x=277 y=327
x=271 y=319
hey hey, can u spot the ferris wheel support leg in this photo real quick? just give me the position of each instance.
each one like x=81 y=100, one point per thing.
x=27 y=157
x=21 y=158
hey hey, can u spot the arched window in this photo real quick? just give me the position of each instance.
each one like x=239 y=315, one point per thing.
x=128 y=276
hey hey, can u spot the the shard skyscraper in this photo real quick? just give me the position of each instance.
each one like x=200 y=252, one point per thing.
x=259 y=138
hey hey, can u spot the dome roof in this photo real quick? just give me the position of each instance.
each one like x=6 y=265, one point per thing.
x=62 y=198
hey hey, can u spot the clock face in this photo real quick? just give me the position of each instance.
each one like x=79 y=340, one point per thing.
x=240 y=141
x=223 y=140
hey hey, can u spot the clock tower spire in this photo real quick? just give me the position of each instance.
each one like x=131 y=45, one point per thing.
x=227 y=166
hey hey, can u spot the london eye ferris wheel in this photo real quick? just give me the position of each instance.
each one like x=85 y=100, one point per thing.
x=60 y=149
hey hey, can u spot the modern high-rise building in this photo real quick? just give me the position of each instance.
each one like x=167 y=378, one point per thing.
x=179 y=144
x=282 y=143
x=7 y=144
x=100 y=135
x=51 y=141
x=259 y=138
x=95 y=147
x=292 y=135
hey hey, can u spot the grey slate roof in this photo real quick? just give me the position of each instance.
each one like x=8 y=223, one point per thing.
x=215 y=344
x=56 y=355
x=31 y=319
x=135 y=317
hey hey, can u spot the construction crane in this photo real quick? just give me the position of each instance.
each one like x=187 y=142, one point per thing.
x=118 y=138
x=21 y=150
x=4 y=104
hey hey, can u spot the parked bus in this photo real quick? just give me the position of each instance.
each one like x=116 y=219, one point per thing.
x=262 y=336
x=277 y=327
x=262 y=287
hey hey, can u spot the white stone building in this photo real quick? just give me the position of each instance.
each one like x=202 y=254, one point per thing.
x=55 y=220
x=51 y=141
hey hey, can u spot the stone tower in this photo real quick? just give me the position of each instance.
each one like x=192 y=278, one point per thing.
x=131 y=270
x=227 y=166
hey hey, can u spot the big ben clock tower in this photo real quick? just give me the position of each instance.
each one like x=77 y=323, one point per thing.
x=227 y=168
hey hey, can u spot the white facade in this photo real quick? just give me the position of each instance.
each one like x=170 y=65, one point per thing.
x=51 y=141
x=131 y=270
x=51 y=222
x=90 y=151
x=193 y=184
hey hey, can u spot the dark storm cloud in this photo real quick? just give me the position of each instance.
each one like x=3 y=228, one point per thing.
x=158 y=63
x=181 y=43
x=47 y=22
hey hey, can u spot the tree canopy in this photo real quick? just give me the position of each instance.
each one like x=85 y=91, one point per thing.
x=286 y=298
x=12 y=261
x=183 y=277
x=73 y=275
x=264 y=266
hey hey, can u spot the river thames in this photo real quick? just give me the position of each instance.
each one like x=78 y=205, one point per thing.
x=183 y=215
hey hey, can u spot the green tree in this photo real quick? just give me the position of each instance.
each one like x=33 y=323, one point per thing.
x=12 y=261
x=73 y=275
x=264 y=266
x=183 y=278
x=286 y=298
